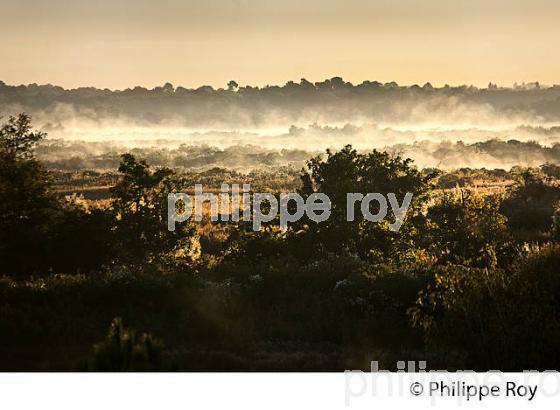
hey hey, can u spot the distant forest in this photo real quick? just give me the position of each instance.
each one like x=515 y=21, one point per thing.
x=331 y=100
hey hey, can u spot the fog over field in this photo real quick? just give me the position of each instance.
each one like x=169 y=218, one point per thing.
x=444 y=127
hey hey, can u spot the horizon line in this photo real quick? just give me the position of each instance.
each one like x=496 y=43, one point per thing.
x=428 y=84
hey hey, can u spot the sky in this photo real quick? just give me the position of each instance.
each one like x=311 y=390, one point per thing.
x=123 y=43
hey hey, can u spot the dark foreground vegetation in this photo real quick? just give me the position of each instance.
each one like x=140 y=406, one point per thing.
x=471 y=281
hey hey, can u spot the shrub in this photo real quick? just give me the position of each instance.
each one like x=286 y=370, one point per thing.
x=495 y=318
x=126 y=350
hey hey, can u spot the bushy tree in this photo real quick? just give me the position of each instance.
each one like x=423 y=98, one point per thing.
x=464 y=228
x=17 y=139
x=348 y=171
x=140 y=208
x=530 y=207
x=27 y=204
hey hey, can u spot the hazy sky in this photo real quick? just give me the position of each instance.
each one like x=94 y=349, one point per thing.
x=122 y=43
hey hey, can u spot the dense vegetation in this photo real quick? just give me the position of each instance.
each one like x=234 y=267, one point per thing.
x=471 y=280
x=331 y=100
x=70 y=156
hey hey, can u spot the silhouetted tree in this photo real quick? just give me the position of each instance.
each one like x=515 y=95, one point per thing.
x=27 y=204
x=465 y=228
x=347 y=171
x=232 y=86
x=140 y=207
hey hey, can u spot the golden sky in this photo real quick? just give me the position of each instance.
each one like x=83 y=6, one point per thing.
x=123 y=43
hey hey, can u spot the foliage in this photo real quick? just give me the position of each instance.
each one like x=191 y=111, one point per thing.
x=17 y=139
x=465 y=228
x=497 y=319
x=27 y=204
x=41 y=233
x=469 y=281
x=126 y=350
x=530 y=206
x=140 y=208
x=347 y=171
